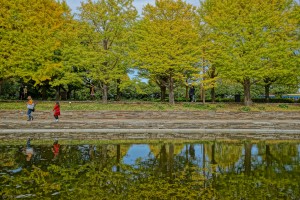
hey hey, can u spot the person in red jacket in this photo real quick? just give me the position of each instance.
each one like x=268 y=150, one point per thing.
x=56 y=110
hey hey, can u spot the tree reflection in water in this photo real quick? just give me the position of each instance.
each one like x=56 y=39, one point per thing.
x=207 y=170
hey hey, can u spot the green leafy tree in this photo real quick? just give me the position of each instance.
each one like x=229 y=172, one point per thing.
x=66 y=71
x=108 y=39
x=33 y=37
x=166 y=42
x=256 y=39
x=209 y=54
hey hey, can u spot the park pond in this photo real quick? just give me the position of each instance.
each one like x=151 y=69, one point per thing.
x=150 y=170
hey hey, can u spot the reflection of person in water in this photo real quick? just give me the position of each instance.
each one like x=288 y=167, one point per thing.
x=92 y=150
x=55 y=148
x=29 y=153
x=28 y=150
x=27 y=163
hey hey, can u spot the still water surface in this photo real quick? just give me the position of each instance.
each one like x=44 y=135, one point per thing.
x=201 y=170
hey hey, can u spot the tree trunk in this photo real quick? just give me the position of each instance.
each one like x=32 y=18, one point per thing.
x=186 y=154
x=163 y=90
x=74 y=95
x=213 y=94
x=212 y=74
x=268 y=155
x=214 y=165
x=192 y=151
x=104 y=155
x=44 y=92
x=203 y=93
x=1 y=82
x=248 y=147
x=268 y=82
x=213 y=151
x=118 y=157
x=268 y=161
x=163 y=161
x=247 y=95
x=69 y=92
x=202 y=83
x=171 y=90
x=105 y=87
x=186 y=91
x=104 y=93
x=57 y=95
x=118 y=98
x=162 y=83
x=171 y=161
x=267 y=93
x=203 y=164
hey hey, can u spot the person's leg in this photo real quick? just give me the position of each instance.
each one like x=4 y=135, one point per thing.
x=29 y=114
x=31 y=117
x=56 y=118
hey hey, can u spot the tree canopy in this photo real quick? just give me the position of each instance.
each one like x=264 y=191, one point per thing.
x=166 y=41
x=256 y=39
x=251 y=42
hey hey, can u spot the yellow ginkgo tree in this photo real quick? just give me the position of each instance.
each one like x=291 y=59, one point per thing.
x=33 y=35
x=166 y=42
x=108 y=39
x=256 y=39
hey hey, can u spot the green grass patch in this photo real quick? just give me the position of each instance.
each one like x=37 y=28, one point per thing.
x=245 y=109
x=199 y=106
x=284 y=106
x=262 y=108
x=148 y=106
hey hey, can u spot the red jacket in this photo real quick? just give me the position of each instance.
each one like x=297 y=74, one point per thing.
x=56 y=110
x=55 y=149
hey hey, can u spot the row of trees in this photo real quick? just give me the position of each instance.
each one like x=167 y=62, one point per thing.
x=173 y=44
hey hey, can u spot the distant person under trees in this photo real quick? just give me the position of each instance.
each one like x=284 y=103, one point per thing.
x=192 y=94
x=92 y=92
x=25 y=92
x=21 y=93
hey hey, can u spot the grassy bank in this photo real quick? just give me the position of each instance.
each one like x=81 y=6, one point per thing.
x=149 y=106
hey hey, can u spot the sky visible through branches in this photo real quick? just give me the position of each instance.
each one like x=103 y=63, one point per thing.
x=139 y=4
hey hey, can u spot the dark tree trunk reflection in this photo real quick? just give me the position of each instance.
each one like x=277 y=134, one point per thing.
x=248 y=148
